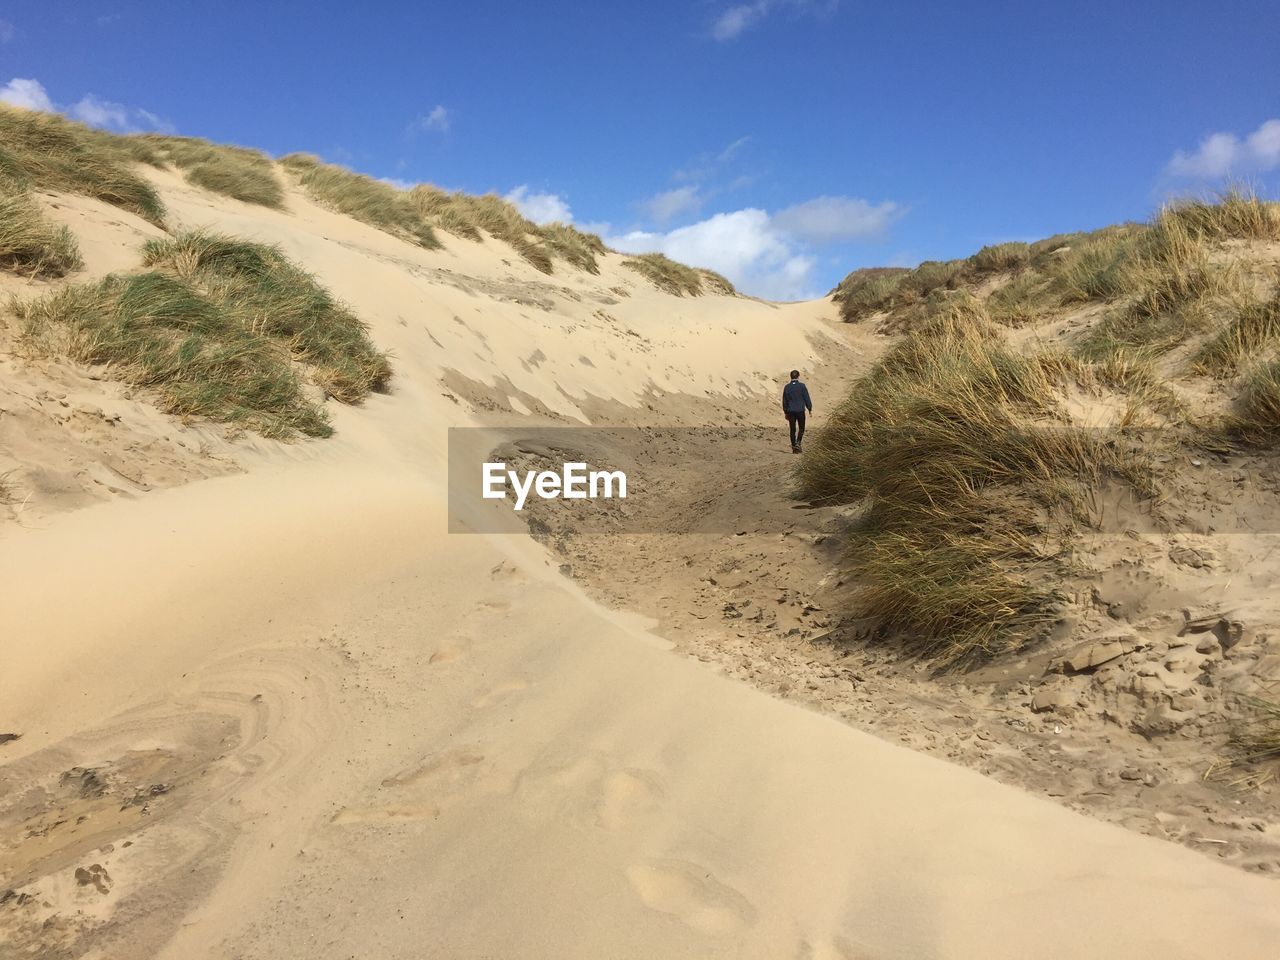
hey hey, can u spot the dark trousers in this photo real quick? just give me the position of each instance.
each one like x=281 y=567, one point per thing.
x=796 y=422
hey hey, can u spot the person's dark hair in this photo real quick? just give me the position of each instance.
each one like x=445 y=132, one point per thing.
x=795 y=374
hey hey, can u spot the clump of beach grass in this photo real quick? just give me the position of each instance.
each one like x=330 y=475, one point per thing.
x=970 y=485
x=44 y=151
x=1237 y=214
x=1259 y=403
x=362 y=198
x=867 y=291
x=1254 y=327
x=572 y=245
x=1171 y=288
x=416 y=213
x=1256 y=737
x=237 y=172
x=444 y=210
x=999 y=258
x=29 y=244
x=1021 y=300
x=219 y=328
x=716 y=283
x=666 y=274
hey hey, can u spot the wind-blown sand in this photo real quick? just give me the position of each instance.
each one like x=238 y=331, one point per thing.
x=299 y=719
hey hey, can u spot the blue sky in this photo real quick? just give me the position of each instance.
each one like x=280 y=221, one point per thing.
x=783 y=142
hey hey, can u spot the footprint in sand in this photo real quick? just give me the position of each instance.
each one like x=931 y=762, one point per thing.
x=446 y=653
x=507 y=571
x=590 y=790
x=627 y=795
x=838 y=948
x=449 y=767
x=692 y=894
x=501 y=692
x=434 y=779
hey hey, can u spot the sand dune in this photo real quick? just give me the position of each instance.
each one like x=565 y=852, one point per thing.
x=283 y=713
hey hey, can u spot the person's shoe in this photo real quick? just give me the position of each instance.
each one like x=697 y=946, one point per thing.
x=795 y=448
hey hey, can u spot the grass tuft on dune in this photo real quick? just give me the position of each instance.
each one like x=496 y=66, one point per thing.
x=1259 y=420
x=1254 y=328
x=44 y=151
x=29 y=244
x=1257 y=738
x=362 y=198
x=1237 y=214
x=219 y=328
x=675 y=278
x=958 y=445
x=237 y=172
x=971 y=483
x=416 y=213
x=999 y=258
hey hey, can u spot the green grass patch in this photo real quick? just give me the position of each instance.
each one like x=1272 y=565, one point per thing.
x=29 y=244
x=1254 y=328
x=1093 y=266
x=1259 y=420
x=221 y=329
x=572 y=245
x=666 y=274
x=931 y=276
x=1023 y=299
x=871 y=290
x=362 y=198
x=867 y=291
x=971 y=485
x=716 y=283
x=999 y=258
x=237 y=172
x=448 y=211
x=1234 y=215
x=416 y=213
x=1171 y=286
x=47 y=152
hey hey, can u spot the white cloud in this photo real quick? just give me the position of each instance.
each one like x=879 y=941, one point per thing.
x=744 y=245
x=1223 y=155
x=540 y=207
x=665 y=206
x=92 y=110
x=437 y=121
x=768 y=255
x=824 y=220
x=737 y=19
x=101 y=113
x=29 y=94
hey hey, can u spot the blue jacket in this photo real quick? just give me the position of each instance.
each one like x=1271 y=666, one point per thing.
x=795 y=398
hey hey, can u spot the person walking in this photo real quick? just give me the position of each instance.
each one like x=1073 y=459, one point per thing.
x=795 y=403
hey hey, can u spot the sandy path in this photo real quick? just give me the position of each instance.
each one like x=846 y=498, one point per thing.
x=384 y=741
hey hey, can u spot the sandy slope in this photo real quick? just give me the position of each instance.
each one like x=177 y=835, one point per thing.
x=284 y=714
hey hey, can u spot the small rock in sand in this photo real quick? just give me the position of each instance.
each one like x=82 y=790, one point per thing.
x=1209 y=646
x=1053 y=699
x=1092 y=654
x=1196 y=557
